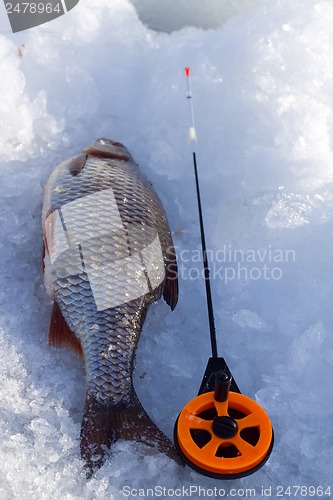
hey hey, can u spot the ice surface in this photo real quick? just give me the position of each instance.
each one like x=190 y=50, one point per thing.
x=168 y=15
x=263 y=98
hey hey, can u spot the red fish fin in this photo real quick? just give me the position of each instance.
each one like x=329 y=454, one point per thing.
x=103 y=424
x=60 y=334
x=170 y=291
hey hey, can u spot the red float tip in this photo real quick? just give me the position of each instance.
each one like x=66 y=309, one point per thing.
x=187 y=71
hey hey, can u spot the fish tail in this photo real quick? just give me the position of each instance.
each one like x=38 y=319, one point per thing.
x=97 y=433
x=103 y=424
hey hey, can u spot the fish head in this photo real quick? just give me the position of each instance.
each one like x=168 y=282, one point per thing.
x=106 y=148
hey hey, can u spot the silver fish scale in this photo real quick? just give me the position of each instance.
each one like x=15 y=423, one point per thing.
x=97 y=256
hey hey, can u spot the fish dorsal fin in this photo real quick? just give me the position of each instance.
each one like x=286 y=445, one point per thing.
x=170 y=290
x=60 y=334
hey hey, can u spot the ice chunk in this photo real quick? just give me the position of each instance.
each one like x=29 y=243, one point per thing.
x=249 y=319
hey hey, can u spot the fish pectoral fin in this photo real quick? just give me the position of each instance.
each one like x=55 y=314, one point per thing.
x=60 y=334
x=76 y=164
x=170 y=291
x=103 y=424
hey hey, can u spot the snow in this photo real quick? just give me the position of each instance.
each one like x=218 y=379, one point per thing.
x=262 y=84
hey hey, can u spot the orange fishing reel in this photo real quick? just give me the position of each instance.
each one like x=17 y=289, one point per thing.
x=222 y=433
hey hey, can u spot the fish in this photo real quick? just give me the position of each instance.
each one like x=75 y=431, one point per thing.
x=108 y=255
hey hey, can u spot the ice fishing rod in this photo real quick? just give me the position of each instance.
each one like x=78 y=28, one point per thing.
x=192 y=138
x=221 y=433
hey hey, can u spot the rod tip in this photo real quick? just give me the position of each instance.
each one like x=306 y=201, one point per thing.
x=187 y=71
